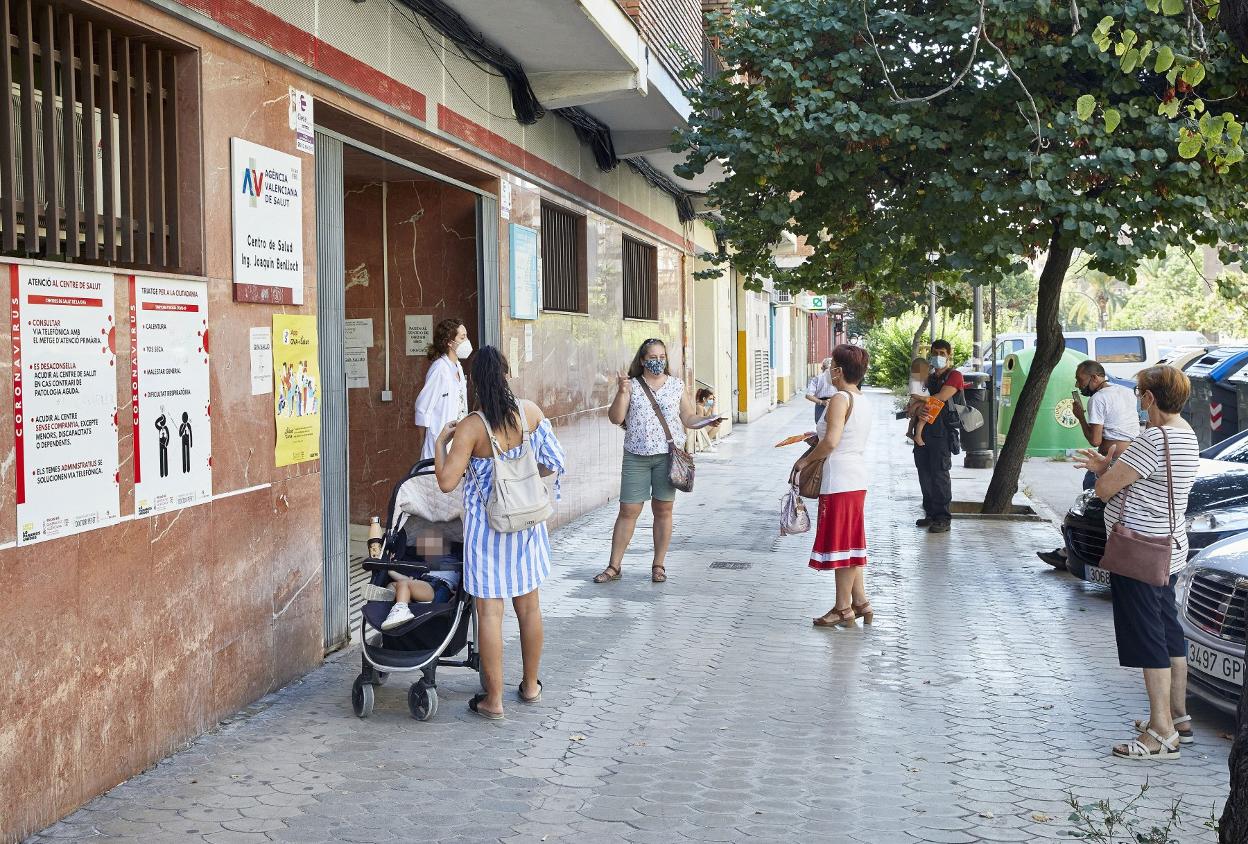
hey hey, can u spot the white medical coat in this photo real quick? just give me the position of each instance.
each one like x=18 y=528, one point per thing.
x=443 y=399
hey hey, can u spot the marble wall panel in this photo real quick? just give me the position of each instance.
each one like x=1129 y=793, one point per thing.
x=431 y=238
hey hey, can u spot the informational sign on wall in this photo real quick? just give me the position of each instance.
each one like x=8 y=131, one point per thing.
x=261 y=342
x=64 y=401
x=267 y=187
x=169 y=393
x=358 y=334
x=296 y=389
x=525 y=281
x=357 y=368
x=301 y=120
x=418 y=331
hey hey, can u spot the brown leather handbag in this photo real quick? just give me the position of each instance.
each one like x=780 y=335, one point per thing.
x=680 y=466
x=1142 y=556
x=810 y=480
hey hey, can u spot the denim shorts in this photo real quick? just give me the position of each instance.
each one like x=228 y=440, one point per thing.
x=645 y=477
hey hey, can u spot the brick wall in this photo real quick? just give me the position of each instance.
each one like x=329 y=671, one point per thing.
x=666 y=23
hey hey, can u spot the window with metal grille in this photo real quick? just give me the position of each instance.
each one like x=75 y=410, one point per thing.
x=762 y=373
x=641 y=280
x=565 y=277
x=89 y=138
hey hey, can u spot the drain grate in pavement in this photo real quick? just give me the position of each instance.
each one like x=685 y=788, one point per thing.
x=732 y=565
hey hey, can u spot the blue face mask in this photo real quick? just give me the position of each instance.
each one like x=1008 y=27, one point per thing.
x=655 y=366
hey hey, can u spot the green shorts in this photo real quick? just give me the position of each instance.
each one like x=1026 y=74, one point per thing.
x=643 y=478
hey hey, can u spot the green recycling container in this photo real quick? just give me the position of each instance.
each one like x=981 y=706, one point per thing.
x=1056 y=430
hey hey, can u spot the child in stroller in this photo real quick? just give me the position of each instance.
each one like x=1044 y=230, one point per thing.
x=438 y=586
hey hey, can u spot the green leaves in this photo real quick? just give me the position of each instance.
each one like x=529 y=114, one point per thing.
x=1171 y=7
x=1113 y=118
x=1085 y=106
x=1165 y=59
x=1194 y=74
x=1190 y=143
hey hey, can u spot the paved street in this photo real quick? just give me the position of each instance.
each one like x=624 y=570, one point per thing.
x=709 y=709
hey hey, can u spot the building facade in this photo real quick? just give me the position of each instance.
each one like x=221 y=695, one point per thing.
x=502 y=165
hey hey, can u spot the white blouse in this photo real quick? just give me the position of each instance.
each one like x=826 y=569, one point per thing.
x=443 y=399
x=643 y=434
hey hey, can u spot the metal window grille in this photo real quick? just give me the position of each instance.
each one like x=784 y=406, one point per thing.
x=762 y=373
x=88 y=140
x=641 y=279
x=565 y=283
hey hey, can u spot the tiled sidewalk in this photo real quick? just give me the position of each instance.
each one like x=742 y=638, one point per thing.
x=708 y=708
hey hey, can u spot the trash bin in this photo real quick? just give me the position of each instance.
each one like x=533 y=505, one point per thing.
x=978 y=443
x=1239 y=383
x=1056 y=430
x=1213 y=409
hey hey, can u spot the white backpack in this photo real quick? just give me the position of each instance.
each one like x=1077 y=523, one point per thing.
x=519 y=499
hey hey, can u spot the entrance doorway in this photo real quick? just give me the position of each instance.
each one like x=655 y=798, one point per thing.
x=400 y=247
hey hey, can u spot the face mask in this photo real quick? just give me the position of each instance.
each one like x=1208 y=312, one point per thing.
x=1086 y=392
x=710 y=402
x=939 y=361
x=463 y=350
x=654 y=366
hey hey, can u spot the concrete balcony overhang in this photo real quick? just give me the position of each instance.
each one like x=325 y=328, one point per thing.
x=590 y=54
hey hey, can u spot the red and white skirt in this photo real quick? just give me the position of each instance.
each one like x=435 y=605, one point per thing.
x=841 y=535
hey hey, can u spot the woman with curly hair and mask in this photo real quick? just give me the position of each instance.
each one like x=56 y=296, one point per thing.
x=444 y=397
x=645 y=471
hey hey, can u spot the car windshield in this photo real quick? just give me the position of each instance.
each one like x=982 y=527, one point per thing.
x=1237 y=453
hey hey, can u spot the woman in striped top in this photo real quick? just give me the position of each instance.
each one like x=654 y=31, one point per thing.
x=1146 y=619
x=497 y=565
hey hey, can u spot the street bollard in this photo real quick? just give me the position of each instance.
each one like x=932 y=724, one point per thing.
x=978 y=443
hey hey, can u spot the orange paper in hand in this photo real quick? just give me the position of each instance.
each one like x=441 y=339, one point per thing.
x=933 y=409
x=796 y=438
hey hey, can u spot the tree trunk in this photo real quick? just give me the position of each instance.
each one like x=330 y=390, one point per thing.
x=1050 y=344
x=1233 y=826
x=918 y=338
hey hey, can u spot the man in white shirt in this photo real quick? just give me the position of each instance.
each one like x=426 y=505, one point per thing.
x=819 y=389
x=1111 y=420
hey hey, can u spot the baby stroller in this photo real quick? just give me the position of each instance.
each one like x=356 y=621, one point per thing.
x=414 y=546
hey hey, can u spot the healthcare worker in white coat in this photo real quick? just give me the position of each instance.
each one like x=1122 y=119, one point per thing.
x=444 y=398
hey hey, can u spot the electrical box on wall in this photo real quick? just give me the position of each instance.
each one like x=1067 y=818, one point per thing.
x=387 y=395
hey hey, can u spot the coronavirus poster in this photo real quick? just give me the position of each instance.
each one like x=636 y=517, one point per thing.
x=64 y=401
x=296 y=389
x=169 y=393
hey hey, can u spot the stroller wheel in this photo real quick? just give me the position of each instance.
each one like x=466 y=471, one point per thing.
x=422 y=700
x=362 y=697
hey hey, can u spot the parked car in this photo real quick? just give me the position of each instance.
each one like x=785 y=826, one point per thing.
x=1217 y=508
x=1213 y=599
x=1122 y=353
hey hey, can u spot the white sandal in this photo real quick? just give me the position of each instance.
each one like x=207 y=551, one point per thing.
x=1185 y=736
x=1138 y=750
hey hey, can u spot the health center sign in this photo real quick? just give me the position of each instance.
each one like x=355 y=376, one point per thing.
x=170 y=394
x=267 y=189
x=64 y=401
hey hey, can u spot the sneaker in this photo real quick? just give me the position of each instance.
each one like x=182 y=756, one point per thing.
x=399 y=614
x=924 y=522
x=939 y=527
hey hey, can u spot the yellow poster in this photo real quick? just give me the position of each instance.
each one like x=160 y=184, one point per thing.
x=296 y=389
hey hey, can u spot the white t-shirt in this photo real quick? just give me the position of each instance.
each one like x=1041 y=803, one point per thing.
x=1113 y=406
x=845 y=469
x=1148 y=501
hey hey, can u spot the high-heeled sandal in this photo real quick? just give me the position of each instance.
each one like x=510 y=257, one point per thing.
x=837 y=618
x=606 y=575
x=863 y=611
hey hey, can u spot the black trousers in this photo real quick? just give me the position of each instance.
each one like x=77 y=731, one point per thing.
x=933 y=462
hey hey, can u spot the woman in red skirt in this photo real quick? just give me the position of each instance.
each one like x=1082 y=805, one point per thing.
x=841 y=537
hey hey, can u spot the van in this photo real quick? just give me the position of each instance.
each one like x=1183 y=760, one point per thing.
x=1122 y=353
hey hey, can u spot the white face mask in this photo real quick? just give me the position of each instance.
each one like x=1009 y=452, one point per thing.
x=464 y=349
x=940 y=361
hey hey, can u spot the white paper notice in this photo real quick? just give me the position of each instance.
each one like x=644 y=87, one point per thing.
x=357 y=368
x=513 y=357
x=301 y=120
x=528 y=343
x=64 y=401
x=358 y=334
x=169 y=392
x=261 y=361
x=268 y=224
x=504 y=199
x=418 y=329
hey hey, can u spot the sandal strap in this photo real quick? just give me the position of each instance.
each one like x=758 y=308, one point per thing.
x=1185 y=719
x=1167 y=743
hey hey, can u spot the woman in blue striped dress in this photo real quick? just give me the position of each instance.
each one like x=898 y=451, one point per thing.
x=497 y=565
